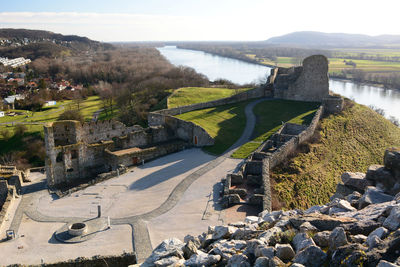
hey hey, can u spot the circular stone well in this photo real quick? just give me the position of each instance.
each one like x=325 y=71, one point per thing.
x=77 y=229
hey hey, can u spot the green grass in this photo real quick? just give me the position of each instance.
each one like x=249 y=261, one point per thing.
x=350 y=141
x=192 y=95
x=49 y=114
x=224 y=123
x=270 y=116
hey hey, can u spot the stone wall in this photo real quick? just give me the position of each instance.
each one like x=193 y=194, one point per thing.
x=309 y=82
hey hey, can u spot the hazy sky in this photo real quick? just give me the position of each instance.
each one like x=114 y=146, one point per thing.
x=152 y=20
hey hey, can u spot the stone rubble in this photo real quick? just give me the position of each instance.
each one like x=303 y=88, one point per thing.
x=360 y=226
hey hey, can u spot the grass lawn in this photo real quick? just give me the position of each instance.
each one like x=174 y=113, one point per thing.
x=270 y=115
x=224 y=123
x=49 y=114
x=350 y=141
x=192 y=95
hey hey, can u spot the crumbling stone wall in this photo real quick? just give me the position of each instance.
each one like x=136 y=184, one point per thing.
x=309 y=82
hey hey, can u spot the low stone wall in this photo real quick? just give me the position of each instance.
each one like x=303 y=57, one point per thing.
x=6 y=204
x=190 y=132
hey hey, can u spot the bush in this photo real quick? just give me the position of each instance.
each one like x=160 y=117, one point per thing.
x=72 y=114
x=5 y=134
x=20 y=130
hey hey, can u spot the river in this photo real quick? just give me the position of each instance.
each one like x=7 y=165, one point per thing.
x=215 y=67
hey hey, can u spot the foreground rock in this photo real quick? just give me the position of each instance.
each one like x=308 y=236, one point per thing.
x=360 y=226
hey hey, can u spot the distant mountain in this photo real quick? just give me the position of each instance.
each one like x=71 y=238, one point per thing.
x=321 y=39
x=38 y=43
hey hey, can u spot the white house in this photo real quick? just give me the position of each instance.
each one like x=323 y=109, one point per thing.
x=50 y=103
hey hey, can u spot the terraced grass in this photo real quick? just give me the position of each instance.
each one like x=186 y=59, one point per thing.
x=224 y=123
x=349 y=142
x=270 y=116
x=192 y=95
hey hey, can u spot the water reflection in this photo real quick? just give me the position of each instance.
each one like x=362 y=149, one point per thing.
x=241 y=72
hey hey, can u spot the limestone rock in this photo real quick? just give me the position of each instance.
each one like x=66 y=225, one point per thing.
x=202 y=259
x=383 y=263
x=301 y=241
x=270 y=216
x=373 y=196
x=314 y=209
x=353 y=198
x=391 y=160
x=322 y=238
x=307 y=227
x=337 y=238
x=262 y=262
x=284 y=252
x=194 y=239
x=167 y=248
x=393 y=221
x=361 y=227
x=238 y=260
x=189 y=249
x=222 y=231
x=322 y=222
x=251 y=219
x=348 y=255
x=265 y=251
x=380 y=232
x=379 y=174
x=276 y=262
x=373 y=241
x=358 y=239
x=170 y=261
x=312 y=256
x=342 y=191
x=226 y=248
x=355 y=180
x=268 y=234
x=252 y=245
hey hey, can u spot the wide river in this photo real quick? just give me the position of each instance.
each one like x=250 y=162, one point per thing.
x=241 y=72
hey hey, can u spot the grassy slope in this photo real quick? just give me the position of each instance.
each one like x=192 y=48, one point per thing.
x=349 y=142
x=270 y=115
x=224 y=123
x=192 y=95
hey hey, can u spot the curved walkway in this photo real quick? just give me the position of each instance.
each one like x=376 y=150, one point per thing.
x=141 y=238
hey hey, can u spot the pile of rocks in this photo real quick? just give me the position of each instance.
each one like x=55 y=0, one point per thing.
x=359 y=227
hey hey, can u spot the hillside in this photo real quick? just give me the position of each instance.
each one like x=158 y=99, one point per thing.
x=350 y=141
x=321 y=39
x=35 y=43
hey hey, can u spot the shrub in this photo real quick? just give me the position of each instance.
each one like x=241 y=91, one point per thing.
x=72 y=114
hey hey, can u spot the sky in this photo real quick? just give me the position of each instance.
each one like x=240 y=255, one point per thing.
x=199 y=20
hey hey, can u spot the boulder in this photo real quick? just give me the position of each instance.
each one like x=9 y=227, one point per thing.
x=251 y=219
x=307 y=227
x=358 y=239
x=276 y=262
x=222 y=231
x=189 y=249
x=238 y=260
x=252 y=245
x=342 y=191
x=373 y=241
x=261 y=262
x=353 y=198
x=355 y=180
x=284 y=252
x=264 y=251
x=393 y=221
x=383 y=263
x=337 y=238
x=373 y=196
x=391 y=160
x=322 y=238
x=270 y=216
x=202 y=259
x=194 y=239
x=361 y=227
x=170 y=261
x=348 y=255
x=226 y=248
x=379 y=174
x=321 y=221
x=371 y=212
x=314 y=209
x=311 y=256
x=380 y=232
x=301 y=241
x=171 y=247
x=267 y=235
